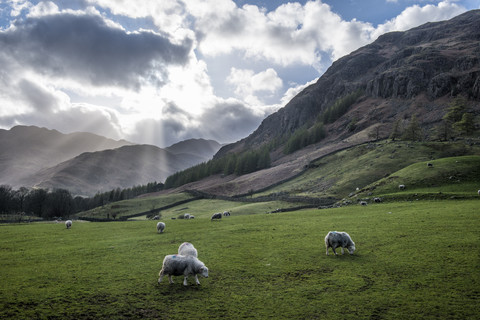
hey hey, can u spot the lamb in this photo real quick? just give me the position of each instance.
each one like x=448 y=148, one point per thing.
x=216 y=216
x=363 y=203
x=336 y=239
x=226 y=214
x=377 y=200
x=186 y=216
x=401 y=187
x=68 y=224
x=160 y=227
x=177 y=265
x=187 y=249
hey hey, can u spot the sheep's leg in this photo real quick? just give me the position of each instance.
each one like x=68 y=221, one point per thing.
x=327 y=251
x=170 y=278
x=342 y=251
x=161 y=276
x=196 y=279
x=333 y=249
x=185 y=282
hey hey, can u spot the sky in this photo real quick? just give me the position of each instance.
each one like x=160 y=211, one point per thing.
x=158 y=72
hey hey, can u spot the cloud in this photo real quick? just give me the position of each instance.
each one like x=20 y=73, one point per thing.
x=416 y=15
x=86 y=48
x=247 y=83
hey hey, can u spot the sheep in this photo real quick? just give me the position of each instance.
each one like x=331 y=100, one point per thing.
x=187 y=249
x=186 y=216
x=177 y=265
x=156 y=218
x=363 y=203
x=216 y=216
x=68 y=224
x=401 y=187
x=430 y=165
x=479 y=192
x=226 y=214
x=192 y=216
x=160 y=227
x=335 y=239
x=377 y=200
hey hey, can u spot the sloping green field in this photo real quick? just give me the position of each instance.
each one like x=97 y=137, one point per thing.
x=414 y=260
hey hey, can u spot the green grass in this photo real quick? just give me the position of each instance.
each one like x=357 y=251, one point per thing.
x=413 y=260
x=134 y=206
x=205 y=208
x=339 y=174
x=454 y=176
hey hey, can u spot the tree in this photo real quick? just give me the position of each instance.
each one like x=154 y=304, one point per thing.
x=457 y=108
x=413 y=131
x=396 y=133
x=444 y=131
x=466 y=125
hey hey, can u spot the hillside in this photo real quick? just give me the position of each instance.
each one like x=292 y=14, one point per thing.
x=401 y=73
x=85 y=164
x=421 y=72
x=25 y=150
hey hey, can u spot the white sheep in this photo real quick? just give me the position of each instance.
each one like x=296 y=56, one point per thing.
x=226 y=214
x=401 y=187
x=335 y=239
x=479 y=192
x=178 y=265
x=186 y=216
x=363 y=203
x=160 y=227
x=68 y=224
x=187 y=249
x=377 y=200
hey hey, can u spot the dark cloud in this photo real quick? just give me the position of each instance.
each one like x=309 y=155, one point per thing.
x=229 y=122
x=37 y=97
x=86 y=48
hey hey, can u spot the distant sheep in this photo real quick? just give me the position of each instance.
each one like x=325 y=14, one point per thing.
x=401 y=187
x=68 y=224
x=216 y=216
x=156 y=218
x=363 y=203
x=160 y=227
x=192 y=216
x=430 y=165
x=187 y=249
x=479 y=192
x=178 y=265
x=377 y=200
x=335 y=239
x=226 y=214
x=186 y=216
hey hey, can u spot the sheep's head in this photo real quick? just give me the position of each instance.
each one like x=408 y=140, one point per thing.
x=204 y=271
x=351 y=248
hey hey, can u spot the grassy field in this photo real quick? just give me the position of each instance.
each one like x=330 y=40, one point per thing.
x=339 y=174
x=414 y=260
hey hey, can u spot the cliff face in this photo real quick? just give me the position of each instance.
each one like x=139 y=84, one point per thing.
x=435 y=60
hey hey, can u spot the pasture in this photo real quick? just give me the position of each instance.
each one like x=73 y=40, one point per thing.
x=414 y=260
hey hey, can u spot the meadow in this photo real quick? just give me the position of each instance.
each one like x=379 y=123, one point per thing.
x=414 y=260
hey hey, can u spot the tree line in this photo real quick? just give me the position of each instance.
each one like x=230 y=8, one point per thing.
x=60 y=202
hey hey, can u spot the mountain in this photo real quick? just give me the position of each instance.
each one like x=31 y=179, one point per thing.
x=25 y=150
x=401 y=73
x=191 y=148
x=85 y=164
x=417 y=72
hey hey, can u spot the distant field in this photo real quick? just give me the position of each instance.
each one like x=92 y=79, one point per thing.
x=414 y=260
x=339 y=174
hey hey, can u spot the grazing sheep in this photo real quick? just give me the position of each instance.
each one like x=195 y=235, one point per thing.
x=430 y=165
x=160 y=227
x=187 y=249
x=401 y=187
x=192 y=216
x=186 y=216
x=377 y=200
x=226 y=214
x=363 y=203
x=479 y=192
x=177 y=265
x=156 y=218
x=68 y=224
x=216 y=216
x=336 y=239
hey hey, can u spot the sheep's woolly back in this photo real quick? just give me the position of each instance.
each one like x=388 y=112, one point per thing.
x=187 y=249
